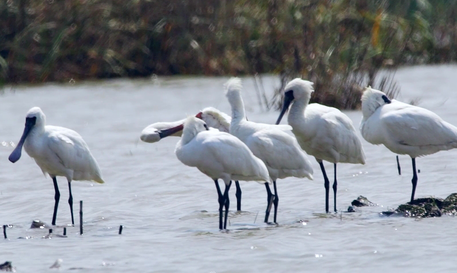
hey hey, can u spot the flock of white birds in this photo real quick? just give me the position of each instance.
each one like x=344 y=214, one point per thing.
x=232 y=148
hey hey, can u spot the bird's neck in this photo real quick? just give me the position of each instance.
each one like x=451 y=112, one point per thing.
x=186 y=139
x=367 y=111
x=297 y=111
x=237 y=105
x=368 y=108
x=187 y=135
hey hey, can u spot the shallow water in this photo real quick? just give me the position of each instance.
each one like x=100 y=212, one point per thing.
x=169 y=211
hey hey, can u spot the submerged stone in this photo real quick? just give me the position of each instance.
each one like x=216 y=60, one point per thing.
x=362 y=201
x=450 y=204
x=428 y=200
x=7 y=266
x=389 y=212
x=37 y=224
x=420 y=210
x=427 y=207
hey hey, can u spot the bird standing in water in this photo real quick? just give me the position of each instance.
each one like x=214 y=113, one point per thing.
x=276 y=148
x=58 y=151
x=323 y=132
x=219 y=155
x=404 y=128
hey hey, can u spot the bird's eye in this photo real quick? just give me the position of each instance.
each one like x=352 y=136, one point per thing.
x=386 y=99
x=30 y=120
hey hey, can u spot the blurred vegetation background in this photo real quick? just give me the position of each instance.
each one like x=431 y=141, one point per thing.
x=340 y=45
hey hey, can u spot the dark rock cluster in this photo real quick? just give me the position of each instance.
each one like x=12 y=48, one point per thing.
x=427 y=207
x=7 y=266
x=361 y=201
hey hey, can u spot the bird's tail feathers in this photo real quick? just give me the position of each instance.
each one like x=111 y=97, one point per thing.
x=99 y=180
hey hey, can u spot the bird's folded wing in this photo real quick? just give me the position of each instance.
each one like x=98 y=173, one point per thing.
x=418 y=127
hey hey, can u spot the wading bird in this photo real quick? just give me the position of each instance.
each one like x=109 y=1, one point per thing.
x=276 y=148
x=58 y=151
x=404 y=128
x=323 y=132
x=211 y=116
x=219 y=155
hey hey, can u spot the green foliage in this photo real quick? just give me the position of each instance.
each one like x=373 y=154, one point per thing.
x=341 y=45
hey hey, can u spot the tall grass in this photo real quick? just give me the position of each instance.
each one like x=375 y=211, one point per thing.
x=341 y=45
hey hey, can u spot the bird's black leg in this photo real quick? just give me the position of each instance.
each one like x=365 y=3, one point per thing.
x=335 y=186
x=326 y=185
x=226 y=202
x=70 y=202
x=275 y=201
x=56 y=200
x=398 y=166
x=220 y=199
x=270 y=199
x=414 y=180
x=238 y=196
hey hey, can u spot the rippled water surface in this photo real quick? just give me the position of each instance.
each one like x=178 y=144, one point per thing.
x=169 y=211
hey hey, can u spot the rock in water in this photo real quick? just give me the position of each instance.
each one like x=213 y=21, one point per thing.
x=57 y=264
x=427 y=207
x=422 y=207
x=450 y=204
x=7 y=267
x=37 y=224
x=362 y=201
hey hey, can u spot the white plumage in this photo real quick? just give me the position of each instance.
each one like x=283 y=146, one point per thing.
x=213 y=117
x=323 y=132
x=57 y=151
x=151 y=133
x=210 y=115
x=218 y=155
x=276 y=148
x=404 y=128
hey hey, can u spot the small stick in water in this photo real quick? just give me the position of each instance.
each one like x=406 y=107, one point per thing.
x=64 y=231
x=50 y=230
x=398 y=166
x=81 y=217
x=120 y=229
x=4 y=231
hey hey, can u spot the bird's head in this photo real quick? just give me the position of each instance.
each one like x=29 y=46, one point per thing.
x=35 y=118
x=215 y=119
x=372 y=99
x=296 y=90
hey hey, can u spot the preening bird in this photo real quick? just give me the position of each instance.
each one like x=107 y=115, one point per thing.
x=219 y=155
x=58 y=151
x=213 y=117
x=276 y=148
x=404 y=128
x=323 y=132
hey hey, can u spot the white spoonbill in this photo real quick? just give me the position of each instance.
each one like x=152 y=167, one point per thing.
x=218 y=155
x=323 y=132
x=213 y=117
x=276 y=148
x=404 y=128
x=57 y=151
